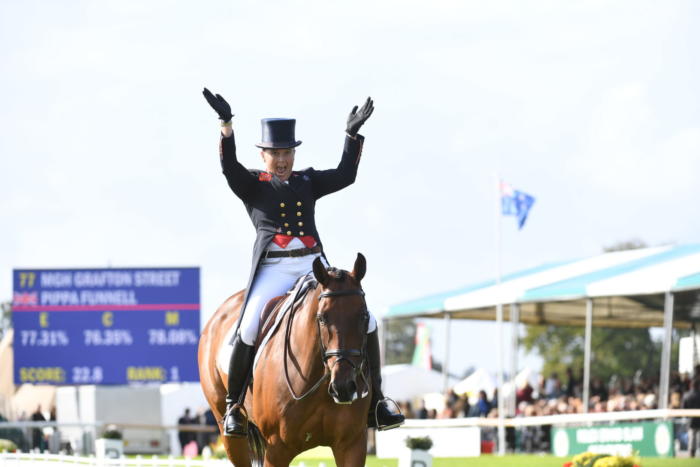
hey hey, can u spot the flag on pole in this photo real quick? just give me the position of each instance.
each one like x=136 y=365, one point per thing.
x=515 y=203
x=422 y=356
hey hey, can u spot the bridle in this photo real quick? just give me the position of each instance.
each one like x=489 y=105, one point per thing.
x=341 y=354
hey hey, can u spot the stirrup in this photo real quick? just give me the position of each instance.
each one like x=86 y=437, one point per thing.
x=376 y=418
x=229 y=413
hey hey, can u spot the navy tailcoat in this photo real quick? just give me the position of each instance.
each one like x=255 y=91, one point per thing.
x=277 y=207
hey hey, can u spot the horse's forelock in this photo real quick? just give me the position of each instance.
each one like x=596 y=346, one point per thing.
x=337 y=274
x=341 y=276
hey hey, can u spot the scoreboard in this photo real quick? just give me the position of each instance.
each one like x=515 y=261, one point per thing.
x=105 y=326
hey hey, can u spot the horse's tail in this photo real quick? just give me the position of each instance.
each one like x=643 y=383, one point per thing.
x=256 y=445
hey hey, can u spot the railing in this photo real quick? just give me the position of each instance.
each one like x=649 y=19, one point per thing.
x=527 y=434
x=679 y=416
x=101 y=425
x=10 y=459
x=560 y=419
x=82 y=435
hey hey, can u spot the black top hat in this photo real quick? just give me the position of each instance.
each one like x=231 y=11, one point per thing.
x=278 y=133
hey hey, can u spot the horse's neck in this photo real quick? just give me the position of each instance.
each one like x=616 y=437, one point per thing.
x=304 y=325
x=304 y=338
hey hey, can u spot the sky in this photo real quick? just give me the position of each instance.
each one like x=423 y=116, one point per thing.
x=109 y=153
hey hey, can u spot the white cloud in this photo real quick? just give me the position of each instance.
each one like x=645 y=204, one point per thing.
x=625 y=153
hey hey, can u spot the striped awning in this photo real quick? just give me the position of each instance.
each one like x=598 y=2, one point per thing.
x=627 y=289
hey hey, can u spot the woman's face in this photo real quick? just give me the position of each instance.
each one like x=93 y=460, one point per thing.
x=279 y=162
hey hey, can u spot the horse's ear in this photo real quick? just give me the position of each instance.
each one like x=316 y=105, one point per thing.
x=320 y=272
x=360 y=268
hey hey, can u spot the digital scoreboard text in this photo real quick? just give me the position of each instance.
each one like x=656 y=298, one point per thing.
x=105 y=326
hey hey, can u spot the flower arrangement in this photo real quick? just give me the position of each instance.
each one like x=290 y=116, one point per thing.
x=7 y=445
x=589 y=459
x=112 y=433
x=424 y=443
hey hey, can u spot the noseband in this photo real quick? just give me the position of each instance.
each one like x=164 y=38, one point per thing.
x=345 y=354
x=341 y=354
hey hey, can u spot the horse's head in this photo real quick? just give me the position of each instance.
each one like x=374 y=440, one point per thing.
x=343 y=318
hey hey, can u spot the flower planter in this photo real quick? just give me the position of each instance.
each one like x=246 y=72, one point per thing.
x=109 y=448
x=415 y=458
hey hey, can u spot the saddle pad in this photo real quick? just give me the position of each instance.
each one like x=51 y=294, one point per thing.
x=297 y=293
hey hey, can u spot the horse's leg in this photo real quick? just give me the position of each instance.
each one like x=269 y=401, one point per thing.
x=213 y=381
x=237 y=450
x=352 y=454
x=215 y=393
x=278 y=455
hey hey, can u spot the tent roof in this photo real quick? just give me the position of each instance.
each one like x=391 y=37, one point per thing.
x=627 y=288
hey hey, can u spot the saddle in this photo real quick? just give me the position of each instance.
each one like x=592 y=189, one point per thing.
x=268 y=318
x=278 y=307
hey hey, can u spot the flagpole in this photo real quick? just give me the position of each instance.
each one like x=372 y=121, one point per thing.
x=499 y=323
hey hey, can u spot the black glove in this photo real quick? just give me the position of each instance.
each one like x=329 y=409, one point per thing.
x=219 y=104
x=357 y=118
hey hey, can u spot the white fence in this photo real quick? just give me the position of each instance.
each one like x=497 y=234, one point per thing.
x=8 y=459
x=412 y=426
x=86 y=434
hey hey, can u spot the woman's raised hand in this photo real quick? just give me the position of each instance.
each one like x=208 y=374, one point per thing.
x=357 y=118
x=219 y=104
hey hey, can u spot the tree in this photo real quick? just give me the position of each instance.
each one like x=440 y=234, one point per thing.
x=614 y=351
x=400 y=340
x=631 y=244
x=5 y=318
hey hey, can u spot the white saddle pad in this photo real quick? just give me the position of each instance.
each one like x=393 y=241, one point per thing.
x=298 y=290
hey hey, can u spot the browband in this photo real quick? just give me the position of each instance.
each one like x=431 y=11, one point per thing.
x=340 y=293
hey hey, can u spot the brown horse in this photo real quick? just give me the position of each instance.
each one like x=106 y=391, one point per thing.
x=292 y=410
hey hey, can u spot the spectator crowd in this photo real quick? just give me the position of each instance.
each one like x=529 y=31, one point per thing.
x=555 y=395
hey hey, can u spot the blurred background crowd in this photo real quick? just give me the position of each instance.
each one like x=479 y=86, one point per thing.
x=563 y=395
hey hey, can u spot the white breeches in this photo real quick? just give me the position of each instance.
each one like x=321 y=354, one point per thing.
x=275 y=277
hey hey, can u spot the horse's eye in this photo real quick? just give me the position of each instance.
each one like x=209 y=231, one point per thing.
x=321 y=319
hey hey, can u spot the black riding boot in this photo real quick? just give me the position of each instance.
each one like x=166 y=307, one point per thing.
x=380 y=416
x=235 y=422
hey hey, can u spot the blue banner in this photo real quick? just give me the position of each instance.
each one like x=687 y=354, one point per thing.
x=105 y=326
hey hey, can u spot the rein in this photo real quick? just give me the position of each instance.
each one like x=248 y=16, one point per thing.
x=342 y=354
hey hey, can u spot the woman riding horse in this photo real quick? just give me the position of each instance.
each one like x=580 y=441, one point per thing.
x=281 y=203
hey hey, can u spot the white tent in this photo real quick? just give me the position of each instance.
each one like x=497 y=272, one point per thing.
x=638 y=288
x=477 y=381
x=408 y=382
